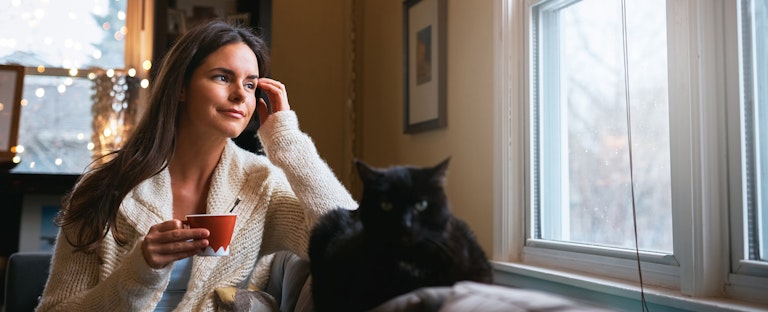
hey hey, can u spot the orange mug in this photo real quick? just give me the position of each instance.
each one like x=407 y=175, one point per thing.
x=220 y=226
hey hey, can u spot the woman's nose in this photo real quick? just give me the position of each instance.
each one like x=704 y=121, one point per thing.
x=237 y=94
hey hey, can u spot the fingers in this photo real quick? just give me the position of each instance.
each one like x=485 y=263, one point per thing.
x=276 y=93
x=170 y=241
x=261 y=108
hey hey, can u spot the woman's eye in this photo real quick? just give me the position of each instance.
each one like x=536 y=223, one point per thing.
x=250 y=86
x=221 y=78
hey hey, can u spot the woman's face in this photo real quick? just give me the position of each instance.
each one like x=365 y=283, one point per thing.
x=220 y=98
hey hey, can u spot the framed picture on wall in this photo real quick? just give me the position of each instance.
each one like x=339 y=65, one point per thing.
x=177 y=21
x=11 y=85
x=424 y=70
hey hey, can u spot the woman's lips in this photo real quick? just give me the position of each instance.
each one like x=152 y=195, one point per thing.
x=234 y=113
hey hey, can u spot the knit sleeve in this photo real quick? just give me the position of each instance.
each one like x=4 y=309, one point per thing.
x=311 y=180
x=74 y=283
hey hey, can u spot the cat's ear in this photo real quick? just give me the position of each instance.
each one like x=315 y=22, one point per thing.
x=439 y=171
x=365 y=171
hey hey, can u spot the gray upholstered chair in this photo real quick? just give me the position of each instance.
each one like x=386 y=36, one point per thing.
x=25 y=278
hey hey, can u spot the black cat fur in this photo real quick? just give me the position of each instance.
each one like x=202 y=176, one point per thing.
x=403 y=237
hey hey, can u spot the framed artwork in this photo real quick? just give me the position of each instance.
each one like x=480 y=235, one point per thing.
x=177 y=21
x=38 y=230
x=11 y=85
x=424 y=55
x=242 y=19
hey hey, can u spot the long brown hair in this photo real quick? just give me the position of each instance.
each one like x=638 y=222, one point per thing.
x=93 y=203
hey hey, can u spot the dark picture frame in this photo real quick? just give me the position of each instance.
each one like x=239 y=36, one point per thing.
x=177 y=21
x=11 y=87
x=424 y=65
x=242 y=19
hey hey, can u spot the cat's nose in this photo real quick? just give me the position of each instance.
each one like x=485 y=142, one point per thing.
x=407 y=221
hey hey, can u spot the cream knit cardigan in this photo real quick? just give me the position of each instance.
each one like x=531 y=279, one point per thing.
x=282 y=196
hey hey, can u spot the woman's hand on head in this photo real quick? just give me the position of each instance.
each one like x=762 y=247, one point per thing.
x=278 y=98
x=169 y=241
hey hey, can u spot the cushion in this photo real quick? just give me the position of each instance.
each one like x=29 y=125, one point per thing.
x=25 y=279
x=471 y=296
x=423 y=299
x=467 y=296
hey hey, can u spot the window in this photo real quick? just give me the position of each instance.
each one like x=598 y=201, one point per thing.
x=749 y=225
x=55 y=126
x=580 y=149
x=688 y=163
x=755 y=90
x=65 y=46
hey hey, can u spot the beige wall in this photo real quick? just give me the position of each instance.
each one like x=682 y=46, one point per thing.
x=308 y=55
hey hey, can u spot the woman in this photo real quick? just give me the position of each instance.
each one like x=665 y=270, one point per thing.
x=121 y=234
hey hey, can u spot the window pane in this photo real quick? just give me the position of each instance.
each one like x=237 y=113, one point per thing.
x=53 y=37
x=760 y=35
x=64 y=34
x=582 y=161
x=55 y=126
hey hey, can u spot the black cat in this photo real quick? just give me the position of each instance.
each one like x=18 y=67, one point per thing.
x=402 y=237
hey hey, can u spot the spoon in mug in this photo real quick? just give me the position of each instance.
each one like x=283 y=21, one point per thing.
x=236 y=202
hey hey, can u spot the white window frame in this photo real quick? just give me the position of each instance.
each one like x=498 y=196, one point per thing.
x=704 y=88
x=745 y=276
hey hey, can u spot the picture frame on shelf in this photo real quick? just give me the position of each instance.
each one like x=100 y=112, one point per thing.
x=242 y=19
x=177 y=21
x=11 y=87
x=38 y=229
x=424 y=67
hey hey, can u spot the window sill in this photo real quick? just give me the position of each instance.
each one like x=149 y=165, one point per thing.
x=604 y=291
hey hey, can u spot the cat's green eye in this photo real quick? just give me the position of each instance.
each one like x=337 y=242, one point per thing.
x=386 y=206
x=421 y=206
